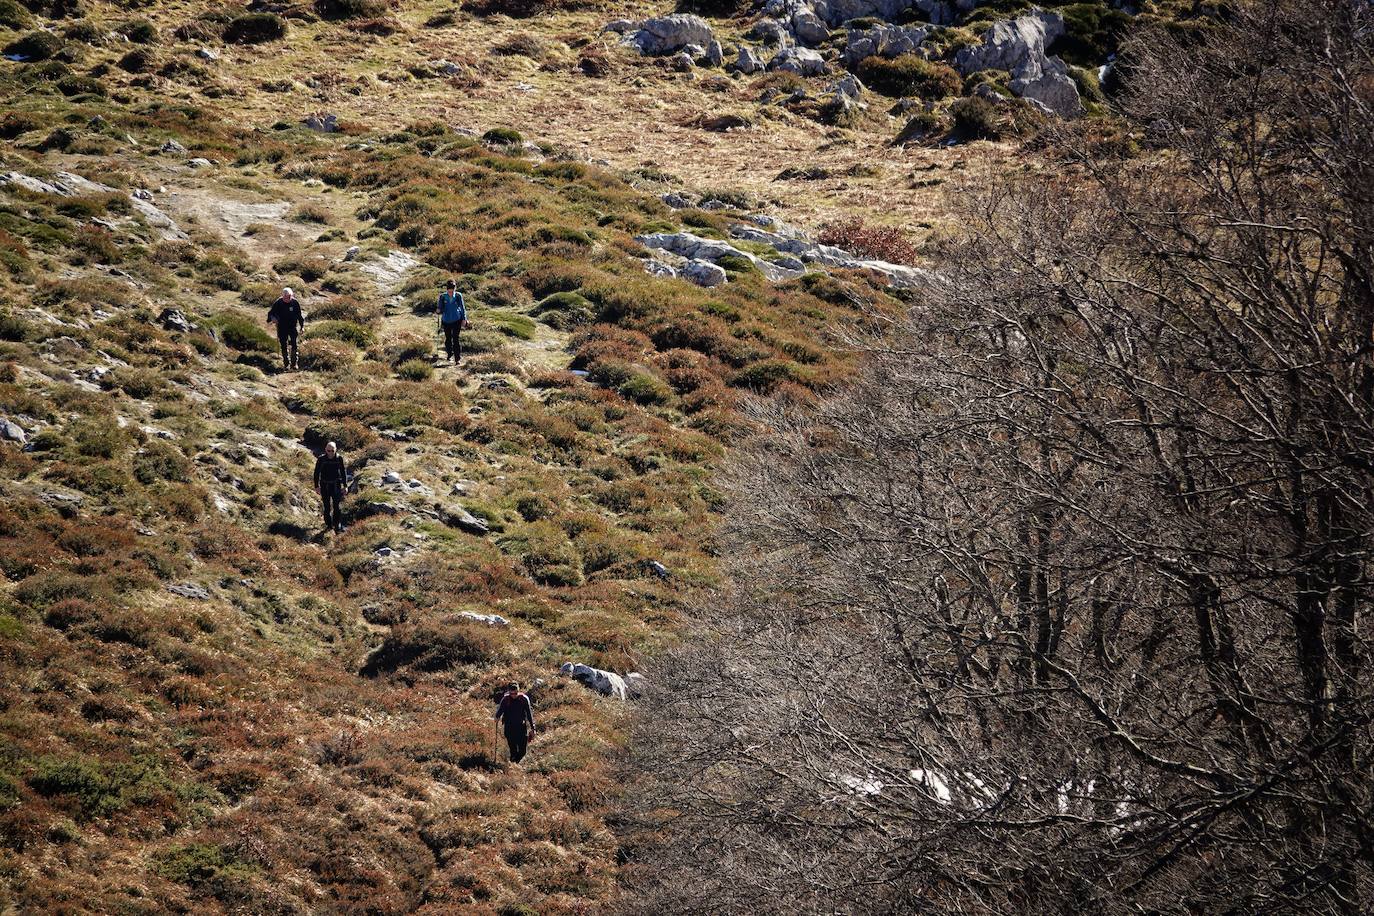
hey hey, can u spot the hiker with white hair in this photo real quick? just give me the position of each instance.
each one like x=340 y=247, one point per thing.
x=331 y=480
x=286 y=314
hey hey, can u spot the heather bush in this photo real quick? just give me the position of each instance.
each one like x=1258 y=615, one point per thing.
x=910 y=75
x=883 y=243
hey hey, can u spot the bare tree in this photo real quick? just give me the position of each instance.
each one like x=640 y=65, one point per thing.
x=1063 y=607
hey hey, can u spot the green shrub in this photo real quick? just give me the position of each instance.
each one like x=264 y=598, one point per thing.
x=767 y=375
x=564 y=311
x=415 y=370
x=139 y=60
x=16 y=329
x=140 y=32
x=13 y=15
x=242 y=333
x=72 y=86
x=136 y=383
x=255 y=28
x=347 y=331
x=511 y=324
x=1092 y=33
x=350 y=9
x=160 y=460
x=200 y=863
x=546 y=552
x=34 y=46
x=910 y=75
x=100 y=789
x=434 y=645
x=644 y=388
x=323 y=355
x=976 y=119
x=503 y=136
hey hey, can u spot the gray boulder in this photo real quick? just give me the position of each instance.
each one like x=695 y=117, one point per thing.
x=801 y=61
x=667 y=34
x=703 y=273
x=770 y=32
x=695 y=248
x=807 y=27
x=1018 y=46
x=883 y=41
x=749 y=61
x=13 y=432
x=606 y=683
x=189 y=590
x=621 y=26
x=323 y=123
x=715 y=54
x=848 y=87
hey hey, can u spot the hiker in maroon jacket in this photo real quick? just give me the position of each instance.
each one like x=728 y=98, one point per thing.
x=516 y=714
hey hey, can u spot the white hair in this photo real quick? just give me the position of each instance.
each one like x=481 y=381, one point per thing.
x=329 y=445
x=287 y=292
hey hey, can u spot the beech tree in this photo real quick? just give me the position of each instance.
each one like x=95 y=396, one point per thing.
x=1063 y=606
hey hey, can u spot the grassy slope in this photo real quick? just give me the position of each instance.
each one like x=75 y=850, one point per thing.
x=161 y=753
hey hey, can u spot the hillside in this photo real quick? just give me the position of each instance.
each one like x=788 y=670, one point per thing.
x=209 y=703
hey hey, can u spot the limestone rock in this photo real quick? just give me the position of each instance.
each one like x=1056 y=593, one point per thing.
x=668 y=34
x=13 y=432
x=606 y=683
x=801 y=61
x=174 y=319
x=883 y=40
x=704 y=273
x=189 y=590
x=458 y=517
x=749 y=61
x=1018 y=46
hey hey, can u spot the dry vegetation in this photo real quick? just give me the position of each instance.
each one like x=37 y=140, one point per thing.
x=312 y=733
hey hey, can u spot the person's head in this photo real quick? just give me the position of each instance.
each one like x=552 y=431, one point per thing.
x=287 y=294
x=513 y=687
x=450 y=286
x=331 y=450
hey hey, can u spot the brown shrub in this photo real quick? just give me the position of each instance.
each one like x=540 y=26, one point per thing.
x=883 y=243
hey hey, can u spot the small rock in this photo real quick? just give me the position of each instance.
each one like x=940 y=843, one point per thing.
x=391 y=477
x=352 y=253
x=200 y=163
x=463 y=519
x=142 y=194
x=189 y=590
x=383 y=551
x=97 y=123
x=715 y=54
x=494 y=620
x=460 y=489
x=207 y=54
x=173 y=319
x=658 y=269
x=621 y=26
x=658 y=569
x=325 y=124
x=682 y=62
x=171 y=146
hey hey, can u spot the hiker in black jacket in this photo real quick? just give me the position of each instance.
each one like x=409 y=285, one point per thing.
x=331 y=479
x=286 y=314
x=516 y=713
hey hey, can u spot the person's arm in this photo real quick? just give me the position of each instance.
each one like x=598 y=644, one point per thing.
x=529 y=713
x=462 y=308
x=500 y=710
x=272 y=312
x=317 y=473
x=343 y=474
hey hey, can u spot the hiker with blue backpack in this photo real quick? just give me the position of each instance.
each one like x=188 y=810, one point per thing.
x=453 y=318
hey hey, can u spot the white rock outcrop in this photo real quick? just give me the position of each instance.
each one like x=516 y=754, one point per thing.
x=1019 y=47
x=669 y=34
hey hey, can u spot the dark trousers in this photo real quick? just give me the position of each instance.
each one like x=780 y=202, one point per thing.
x=332 y=500
x=288 y=339
x=519 y=743
x=453 y=341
